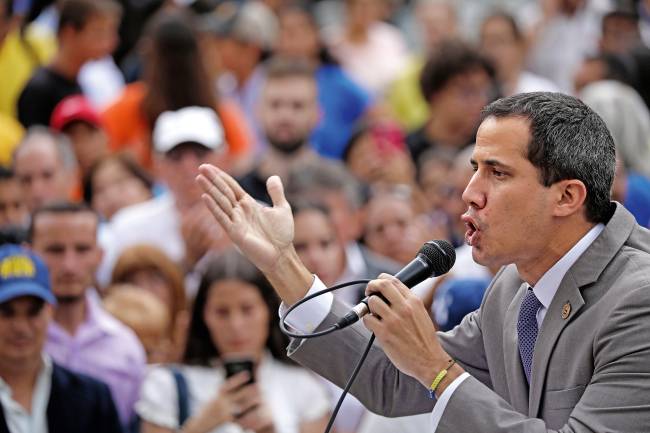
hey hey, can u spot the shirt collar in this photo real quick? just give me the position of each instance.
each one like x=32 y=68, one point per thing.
x=355 y=265
x=96 y=323
x=96 y=316
x=44 y=375
x=549 y=283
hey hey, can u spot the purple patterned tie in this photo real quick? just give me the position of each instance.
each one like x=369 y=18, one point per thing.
x=527 y=330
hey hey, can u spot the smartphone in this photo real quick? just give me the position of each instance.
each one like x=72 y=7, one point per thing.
x=237 y=365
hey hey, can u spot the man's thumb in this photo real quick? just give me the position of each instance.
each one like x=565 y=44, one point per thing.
x=276 y=191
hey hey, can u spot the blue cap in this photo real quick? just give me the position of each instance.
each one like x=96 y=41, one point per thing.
x=23 y=273
x=455 y=298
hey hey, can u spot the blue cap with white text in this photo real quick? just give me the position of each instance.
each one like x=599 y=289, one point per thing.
x=23 y=273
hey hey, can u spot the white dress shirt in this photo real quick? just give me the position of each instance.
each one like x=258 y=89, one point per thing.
x=18 y=419
x=307 y=317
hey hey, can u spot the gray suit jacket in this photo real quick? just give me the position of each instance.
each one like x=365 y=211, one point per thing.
x=591 y=370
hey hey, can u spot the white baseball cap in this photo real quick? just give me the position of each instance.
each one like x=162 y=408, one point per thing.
x=189 y=124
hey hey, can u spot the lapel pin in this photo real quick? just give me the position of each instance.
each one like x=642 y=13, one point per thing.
x=566 y=310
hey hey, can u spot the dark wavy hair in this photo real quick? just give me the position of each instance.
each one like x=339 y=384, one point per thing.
x=307 y=9
x=451 y=59
x=174 y=73
x=200 y=348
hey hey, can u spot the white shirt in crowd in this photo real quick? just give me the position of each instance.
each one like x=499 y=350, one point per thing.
x=17 y=418
x=155 y=222
x=293 y=394
x=377 y=62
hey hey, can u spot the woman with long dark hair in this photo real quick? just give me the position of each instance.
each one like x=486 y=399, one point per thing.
x=173 y=66
x=234 y=315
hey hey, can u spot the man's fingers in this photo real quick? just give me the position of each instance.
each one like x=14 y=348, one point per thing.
x=378 y=307
x=216 y=185
x=276 y=191
x=222 y=218
x=223 y=181
x=392 y=289
x=372 y=323
x=233 y=185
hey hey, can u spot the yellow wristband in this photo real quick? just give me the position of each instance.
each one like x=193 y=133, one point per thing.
x=440 y=376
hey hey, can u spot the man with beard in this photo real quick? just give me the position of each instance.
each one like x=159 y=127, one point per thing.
x=288 y=113
x=83 y=337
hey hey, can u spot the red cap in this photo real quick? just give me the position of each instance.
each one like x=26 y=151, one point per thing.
x=71 y=109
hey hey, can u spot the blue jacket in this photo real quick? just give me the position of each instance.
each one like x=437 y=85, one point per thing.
x=78 y=404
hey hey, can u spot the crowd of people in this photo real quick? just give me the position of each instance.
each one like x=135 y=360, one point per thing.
x=121 y=298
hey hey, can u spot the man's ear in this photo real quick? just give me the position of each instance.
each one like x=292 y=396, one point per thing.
x=570 y=198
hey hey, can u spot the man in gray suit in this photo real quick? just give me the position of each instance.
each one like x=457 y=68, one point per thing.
x=561 y=341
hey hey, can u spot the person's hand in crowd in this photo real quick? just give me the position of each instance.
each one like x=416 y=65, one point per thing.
x=257 y=417
x=406 y=333
x=200 y=233
x=235 y=403
x=263 y=234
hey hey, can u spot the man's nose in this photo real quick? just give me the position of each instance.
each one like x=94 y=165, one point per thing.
x=473 y=195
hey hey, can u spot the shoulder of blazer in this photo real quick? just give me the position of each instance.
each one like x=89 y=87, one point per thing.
x=76 y=398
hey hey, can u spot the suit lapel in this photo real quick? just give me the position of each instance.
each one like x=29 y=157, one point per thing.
x=586 y=270
x=516 y=380
x=552 y=327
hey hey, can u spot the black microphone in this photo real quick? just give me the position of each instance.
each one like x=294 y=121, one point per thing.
x=434 y=258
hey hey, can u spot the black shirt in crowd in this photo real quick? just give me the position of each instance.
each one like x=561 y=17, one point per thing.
x=43 y=91
x=255 y=186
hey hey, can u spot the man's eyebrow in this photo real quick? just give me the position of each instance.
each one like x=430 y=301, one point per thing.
x=490 y=162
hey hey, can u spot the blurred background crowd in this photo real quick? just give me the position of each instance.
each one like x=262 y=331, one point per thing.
x=366 y=109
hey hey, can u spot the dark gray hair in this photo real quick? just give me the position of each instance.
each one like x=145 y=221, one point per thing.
x=568 y=141
x=321 y=176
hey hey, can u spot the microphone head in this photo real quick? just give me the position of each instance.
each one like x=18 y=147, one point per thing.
x=440 y=255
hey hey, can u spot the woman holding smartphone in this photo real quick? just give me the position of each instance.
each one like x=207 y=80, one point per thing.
x=234 y=319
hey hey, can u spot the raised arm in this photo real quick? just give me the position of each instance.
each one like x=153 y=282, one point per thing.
x=263 y=234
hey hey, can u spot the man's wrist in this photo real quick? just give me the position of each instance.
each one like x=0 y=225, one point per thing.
x=453 y=371
x=290 y=278
x=452 y=374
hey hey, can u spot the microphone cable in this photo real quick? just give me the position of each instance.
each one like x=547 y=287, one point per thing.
x=329 y=330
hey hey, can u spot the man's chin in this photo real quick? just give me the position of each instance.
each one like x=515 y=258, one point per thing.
x=69 y=299
x=479 y=256
x=22 y=355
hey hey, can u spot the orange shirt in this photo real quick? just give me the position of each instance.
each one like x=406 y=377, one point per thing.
x=129 y=131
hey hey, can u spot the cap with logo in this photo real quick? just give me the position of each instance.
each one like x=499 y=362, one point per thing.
x=23 y=273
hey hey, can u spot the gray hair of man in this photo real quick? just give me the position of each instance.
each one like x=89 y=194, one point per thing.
x=60 y=141
x=568 y=140
x=326 y=176
x=627 y=118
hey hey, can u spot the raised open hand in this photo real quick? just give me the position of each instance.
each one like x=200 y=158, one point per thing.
x=262 y=233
